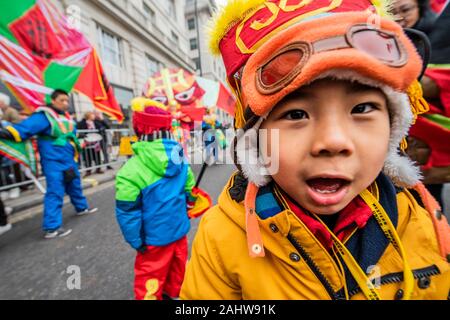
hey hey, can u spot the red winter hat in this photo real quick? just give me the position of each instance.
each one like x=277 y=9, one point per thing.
x=150 y=118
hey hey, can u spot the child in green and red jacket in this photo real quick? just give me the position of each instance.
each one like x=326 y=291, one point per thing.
x=153 y=191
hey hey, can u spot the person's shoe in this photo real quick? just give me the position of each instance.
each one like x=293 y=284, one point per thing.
x=109 y=168
x=87 y=211
x=99 y=171
x=14 y=193
x=61 y=232
x=5 y=228
x=8 y=210
x=88 y=173
x=4 y=195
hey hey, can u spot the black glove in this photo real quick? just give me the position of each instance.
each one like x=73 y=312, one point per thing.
x=5 y=134
x=142 y=249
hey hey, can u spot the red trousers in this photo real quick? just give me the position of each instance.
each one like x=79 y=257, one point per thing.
x=160 y=270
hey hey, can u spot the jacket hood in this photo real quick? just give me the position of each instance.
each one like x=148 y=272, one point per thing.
x=164 y=157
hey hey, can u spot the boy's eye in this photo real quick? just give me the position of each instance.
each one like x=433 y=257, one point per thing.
x=295 y=115
x=363 y=108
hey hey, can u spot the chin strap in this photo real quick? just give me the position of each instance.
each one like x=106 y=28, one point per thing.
x=254 y=239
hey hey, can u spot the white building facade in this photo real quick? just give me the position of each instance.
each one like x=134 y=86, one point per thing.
x=134 y=39
x=198 y=12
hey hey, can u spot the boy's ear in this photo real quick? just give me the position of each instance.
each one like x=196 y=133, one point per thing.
x=423 y=46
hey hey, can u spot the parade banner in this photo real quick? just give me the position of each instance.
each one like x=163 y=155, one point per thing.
x=188 y=92
x=20 y=152
x=187 y=96
x=40 y=52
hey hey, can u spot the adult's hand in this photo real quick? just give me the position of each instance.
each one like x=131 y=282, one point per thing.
x=430 y=88
x=418 y=151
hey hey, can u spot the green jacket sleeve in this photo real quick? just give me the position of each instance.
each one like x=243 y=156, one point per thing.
x=190 y=183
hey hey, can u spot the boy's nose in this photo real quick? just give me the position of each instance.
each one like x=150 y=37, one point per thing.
x=331 y=140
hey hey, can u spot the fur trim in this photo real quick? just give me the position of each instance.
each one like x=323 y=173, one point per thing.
x=226 y=18
x=399 y=168
x=248 y=157
x=383 y=8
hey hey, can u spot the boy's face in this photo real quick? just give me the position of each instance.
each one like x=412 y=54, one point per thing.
x=333 y=141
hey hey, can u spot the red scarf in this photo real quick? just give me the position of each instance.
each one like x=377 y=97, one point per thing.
x=355 y=215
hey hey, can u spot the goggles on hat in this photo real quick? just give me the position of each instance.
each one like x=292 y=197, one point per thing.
x=286 y=64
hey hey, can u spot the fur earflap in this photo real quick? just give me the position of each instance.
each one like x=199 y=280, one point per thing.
x=248 y=156
x=383 y=8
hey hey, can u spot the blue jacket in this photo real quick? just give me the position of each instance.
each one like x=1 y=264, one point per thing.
x=152 y=190
x=53 y=157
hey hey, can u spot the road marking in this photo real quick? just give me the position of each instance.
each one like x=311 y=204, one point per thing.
x=93 y=182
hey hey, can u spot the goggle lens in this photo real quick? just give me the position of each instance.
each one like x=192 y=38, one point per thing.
x=377 y=44
x=280 y=67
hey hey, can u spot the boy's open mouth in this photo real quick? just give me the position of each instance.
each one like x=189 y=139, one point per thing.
x=327 y=191
x=327 y=185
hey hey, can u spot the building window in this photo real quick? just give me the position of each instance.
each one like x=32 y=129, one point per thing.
x=193 y=43
x=123 y=97
x=170 y=6
x=151 y=65
x=111 y=48
x=191 y=24
x=174 y=37
x=197 y=63
x=149 y=13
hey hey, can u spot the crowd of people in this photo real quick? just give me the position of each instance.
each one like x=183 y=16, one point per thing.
x=97 y=141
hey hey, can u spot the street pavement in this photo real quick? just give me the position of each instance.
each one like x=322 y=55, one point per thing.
x=34 y=268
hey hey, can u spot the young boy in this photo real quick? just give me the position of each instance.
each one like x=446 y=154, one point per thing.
x=329 y=89
x=152 y=193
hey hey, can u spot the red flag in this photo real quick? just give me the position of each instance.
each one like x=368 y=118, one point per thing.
x=93 y=84
x=40 y=52
x=196 y=114
x=226 y=101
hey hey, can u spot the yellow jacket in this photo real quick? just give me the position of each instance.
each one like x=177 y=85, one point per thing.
x=220 y=266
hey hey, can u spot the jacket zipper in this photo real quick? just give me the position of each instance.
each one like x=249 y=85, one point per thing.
x=386 y=279
x=398 y=277
x=314 y=268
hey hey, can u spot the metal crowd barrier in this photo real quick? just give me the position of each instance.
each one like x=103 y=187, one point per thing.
x=101 y=149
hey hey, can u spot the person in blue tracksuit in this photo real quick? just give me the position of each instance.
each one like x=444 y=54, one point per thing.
x=58 y=149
